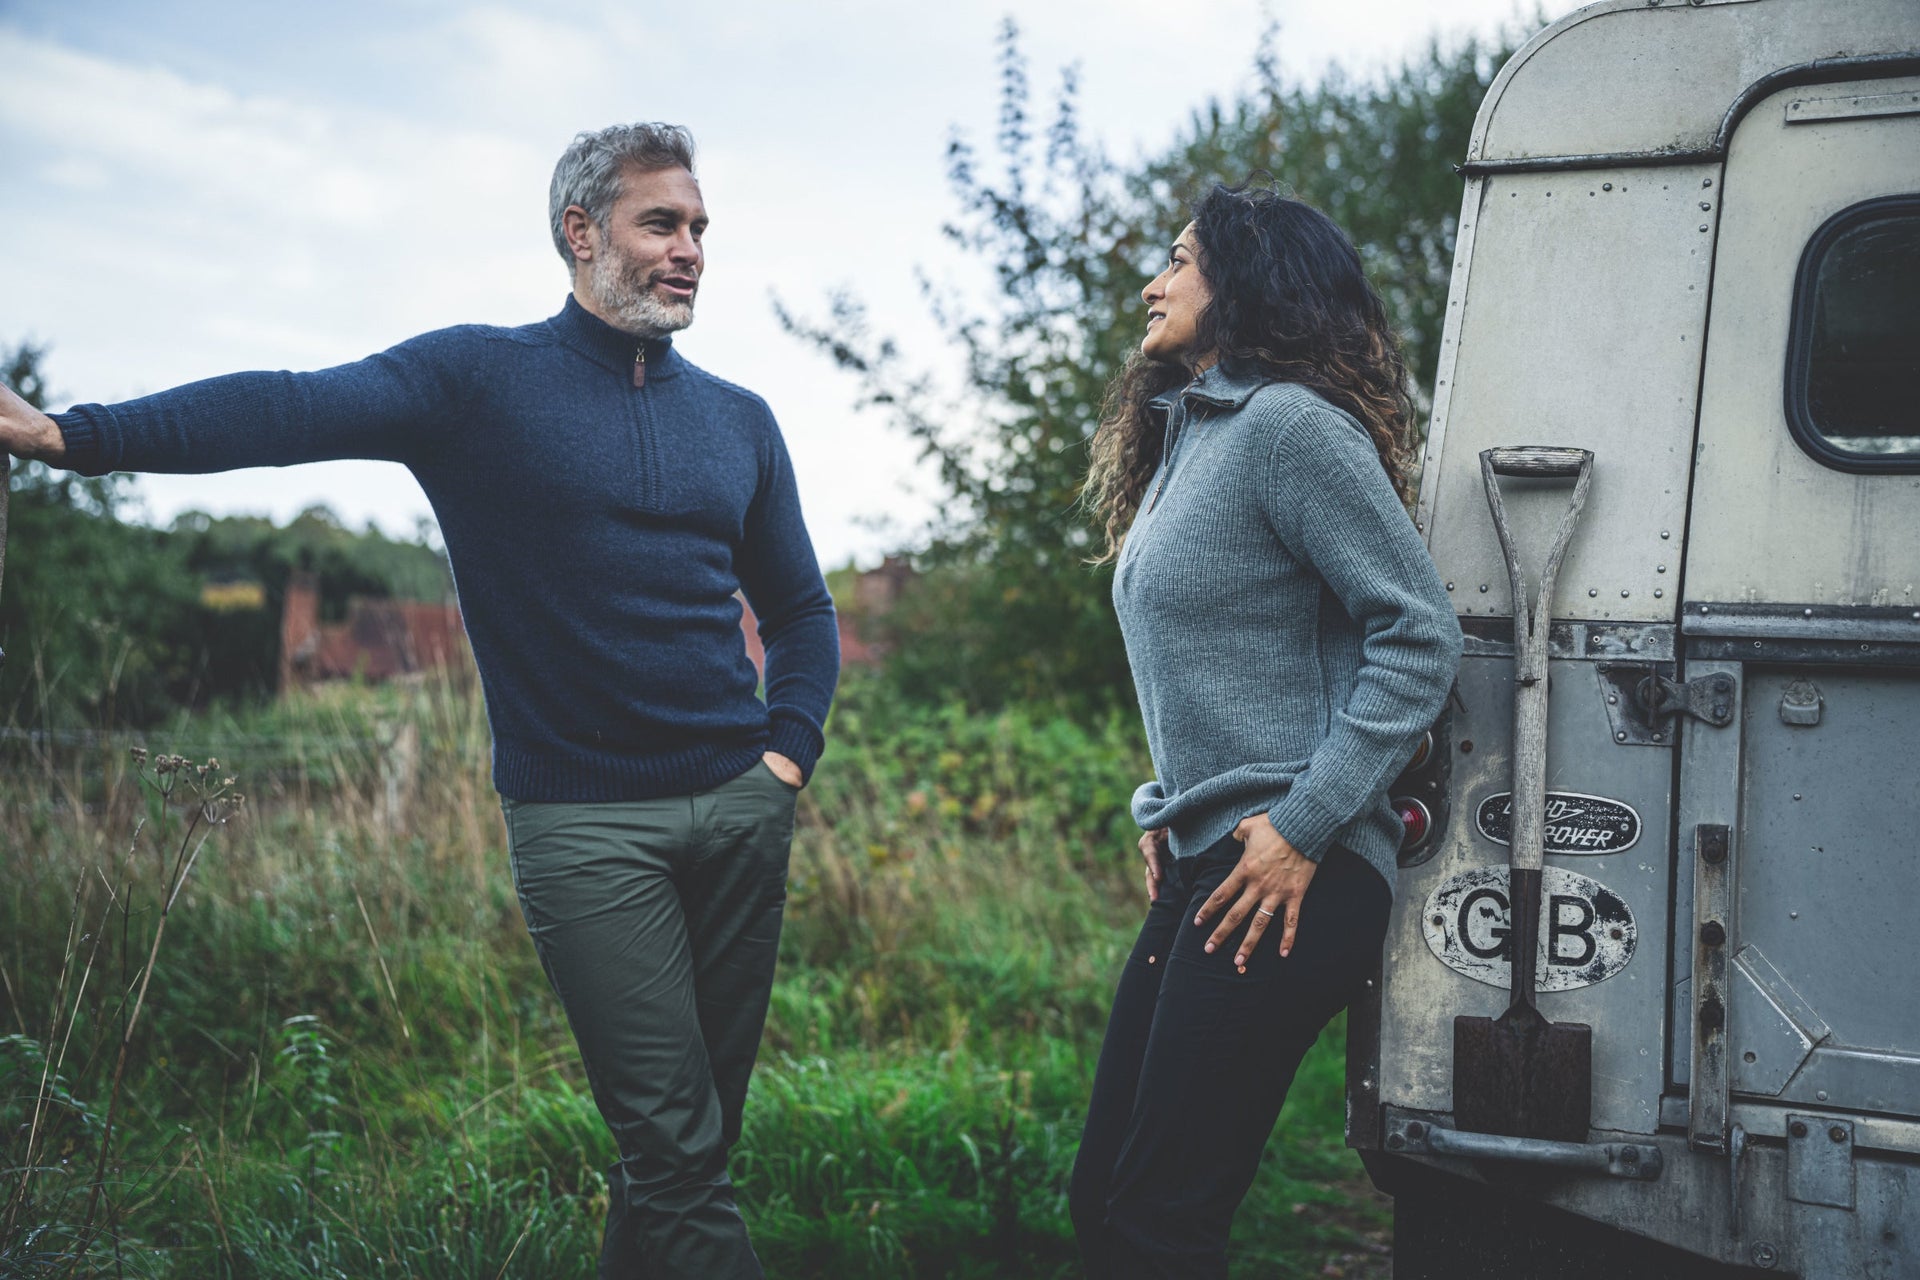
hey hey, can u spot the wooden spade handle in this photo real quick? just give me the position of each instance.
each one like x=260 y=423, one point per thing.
x=1547 y=461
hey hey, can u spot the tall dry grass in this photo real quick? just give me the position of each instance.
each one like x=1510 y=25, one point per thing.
x=346 y=1062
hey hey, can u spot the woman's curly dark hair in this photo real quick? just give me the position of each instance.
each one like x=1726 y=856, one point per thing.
x=1290 y=303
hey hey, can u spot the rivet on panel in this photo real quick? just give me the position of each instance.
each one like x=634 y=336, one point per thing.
x=1705 y=206
x=1606 y=186
x=1620 y=737
x=1658 y=593
x=1704 y=227
x=1806 y=613
x=1659 y=568
x=1664 y=534
x=1706 y=182
x=1821 y=1094
x=1624 y=593
x=1483 y=586
x=1593 y=591
x=1449 y=586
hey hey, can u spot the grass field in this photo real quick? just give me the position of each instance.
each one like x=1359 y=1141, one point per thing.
x=343 y=1060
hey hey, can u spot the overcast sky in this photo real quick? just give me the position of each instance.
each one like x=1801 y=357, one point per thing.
x=193 y=187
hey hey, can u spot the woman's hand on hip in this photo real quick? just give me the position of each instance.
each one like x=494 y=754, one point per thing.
x=1154 y=848
x=1267 y=885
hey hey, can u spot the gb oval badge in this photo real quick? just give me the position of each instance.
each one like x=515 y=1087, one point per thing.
x=1587 y=934
x=1576 y=823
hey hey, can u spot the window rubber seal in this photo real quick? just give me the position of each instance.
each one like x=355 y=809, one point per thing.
x=1812 y=441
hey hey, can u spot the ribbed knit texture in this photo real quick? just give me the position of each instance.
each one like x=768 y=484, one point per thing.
x=598 y=532
x=1289 y=636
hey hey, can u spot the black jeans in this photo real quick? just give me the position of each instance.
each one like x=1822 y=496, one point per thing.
x=658 y=922
x=1198 y=1059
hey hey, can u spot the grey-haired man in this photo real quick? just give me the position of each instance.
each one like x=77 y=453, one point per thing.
x=602 y=500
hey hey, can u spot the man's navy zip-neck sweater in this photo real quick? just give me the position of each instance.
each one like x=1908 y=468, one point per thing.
x=601 y=501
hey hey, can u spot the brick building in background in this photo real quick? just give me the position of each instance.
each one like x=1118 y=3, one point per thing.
x=382 y=639
x=379 y=640
x=874 y=593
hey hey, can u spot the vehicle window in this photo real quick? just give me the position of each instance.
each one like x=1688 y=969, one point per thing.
x=1853 y=374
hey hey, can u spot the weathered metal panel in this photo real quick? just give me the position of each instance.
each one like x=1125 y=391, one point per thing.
x=1584 y=329
x=1421 y=994
x=1660 y=75
x=1770 y=524
x=1827 y=889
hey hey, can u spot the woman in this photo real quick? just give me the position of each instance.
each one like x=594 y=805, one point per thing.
x=1290 y=640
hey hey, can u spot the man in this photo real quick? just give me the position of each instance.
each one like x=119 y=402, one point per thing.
x=601 y=499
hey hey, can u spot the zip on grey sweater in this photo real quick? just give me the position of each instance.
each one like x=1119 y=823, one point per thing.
x=1289 y=636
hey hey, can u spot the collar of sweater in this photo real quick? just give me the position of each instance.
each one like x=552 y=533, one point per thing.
x=614 y=348
x=1216 y=387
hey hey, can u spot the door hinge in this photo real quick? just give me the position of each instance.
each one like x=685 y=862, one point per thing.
x=1643 y=699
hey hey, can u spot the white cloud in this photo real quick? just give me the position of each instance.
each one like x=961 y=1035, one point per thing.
x=161 y=224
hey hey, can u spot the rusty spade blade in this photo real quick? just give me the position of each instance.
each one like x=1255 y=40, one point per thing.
x=1520 y=1074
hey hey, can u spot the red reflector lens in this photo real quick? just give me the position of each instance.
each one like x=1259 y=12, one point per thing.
x=1418 y=823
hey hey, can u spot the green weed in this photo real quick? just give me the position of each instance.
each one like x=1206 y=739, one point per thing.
x=348 y=1063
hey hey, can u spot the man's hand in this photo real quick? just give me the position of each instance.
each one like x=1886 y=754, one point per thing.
x=25 y=432
x=784 y=769
x=1268 y=884
x=1154 y=848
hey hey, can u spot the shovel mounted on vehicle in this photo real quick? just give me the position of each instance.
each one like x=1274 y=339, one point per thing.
x=1519 y=1074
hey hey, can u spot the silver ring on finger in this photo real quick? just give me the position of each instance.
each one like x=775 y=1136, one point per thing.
x=1262 y=911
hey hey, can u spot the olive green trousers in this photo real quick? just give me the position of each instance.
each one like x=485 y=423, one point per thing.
x=657 y=922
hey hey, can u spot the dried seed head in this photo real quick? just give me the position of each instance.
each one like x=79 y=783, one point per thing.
x=139 y=755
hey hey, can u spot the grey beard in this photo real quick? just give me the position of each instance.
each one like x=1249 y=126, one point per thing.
x=634 y=307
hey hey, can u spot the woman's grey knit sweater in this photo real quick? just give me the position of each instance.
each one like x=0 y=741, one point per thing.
x=1289 y=636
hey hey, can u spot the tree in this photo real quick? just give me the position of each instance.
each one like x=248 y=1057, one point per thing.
x=1006 y=608
x=103 y=621
x=94 y=609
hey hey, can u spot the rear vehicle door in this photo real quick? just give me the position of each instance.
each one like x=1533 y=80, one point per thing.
x=1798 y=883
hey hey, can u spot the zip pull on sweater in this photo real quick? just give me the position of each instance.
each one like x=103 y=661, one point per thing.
x=640 y=366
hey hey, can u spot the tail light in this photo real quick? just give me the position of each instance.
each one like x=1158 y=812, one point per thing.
x=1417 y=823
x=1423 y=752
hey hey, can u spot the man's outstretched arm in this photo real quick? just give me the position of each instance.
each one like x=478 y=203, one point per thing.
x=373 y=408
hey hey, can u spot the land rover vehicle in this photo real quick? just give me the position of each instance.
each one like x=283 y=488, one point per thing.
x=1690 y=248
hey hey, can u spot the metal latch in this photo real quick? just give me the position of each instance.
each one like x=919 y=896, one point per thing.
x=1643 y=697
x=1800 y=702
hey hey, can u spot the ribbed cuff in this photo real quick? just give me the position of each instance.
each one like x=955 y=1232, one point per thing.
x=797 y=741
x=1307 y=826
x=82 y=440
